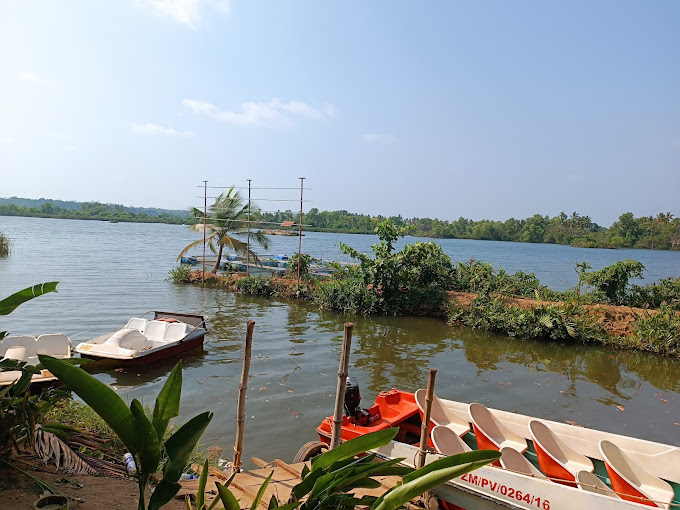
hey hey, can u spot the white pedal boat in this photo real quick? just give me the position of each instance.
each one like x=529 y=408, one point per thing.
x=143 y=341
x=26 y=348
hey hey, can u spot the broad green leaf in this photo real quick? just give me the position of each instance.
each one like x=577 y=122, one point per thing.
x=167 y=402
x=202 y=481
x=228 y=499
x=399 y=495
x=163 y=494
x=260 y=492
x=289 y=506
x=102 y=399
x=307 y=484
x=180 y=445
x=23 y=383
x=483 y=456
x=10 y=303
x=150 y=455
x=354 y=447
x=273 y=503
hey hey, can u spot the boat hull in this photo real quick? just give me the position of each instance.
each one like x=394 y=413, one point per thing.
x=153 y=356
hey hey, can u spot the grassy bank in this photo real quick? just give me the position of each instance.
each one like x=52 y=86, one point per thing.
x=602 y=307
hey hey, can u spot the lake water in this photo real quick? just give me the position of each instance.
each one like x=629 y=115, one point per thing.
x=110 y=272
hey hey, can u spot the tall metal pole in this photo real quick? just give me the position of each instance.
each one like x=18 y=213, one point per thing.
x=248 y=253
x=205 y=215
x=302 y=186
x=336 y=432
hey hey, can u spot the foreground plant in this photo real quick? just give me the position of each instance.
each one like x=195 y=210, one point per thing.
x=141 y=436
x=333 y=476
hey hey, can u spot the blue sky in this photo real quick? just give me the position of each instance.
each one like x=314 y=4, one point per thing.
x=488 y=109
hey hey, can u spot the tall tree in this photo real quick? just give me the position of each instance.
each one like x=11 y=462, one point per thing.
x=225 y=227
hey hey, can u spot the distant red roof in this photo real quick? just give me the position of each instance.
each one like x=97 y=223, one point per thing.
x=287 y=223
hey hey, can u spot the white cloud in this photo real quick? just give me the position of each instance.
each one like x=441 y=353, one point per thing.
x=261 y=114
x=33 y=78
x=9 y=140
x=155 y=129
x=187 y=12
x=378 y=138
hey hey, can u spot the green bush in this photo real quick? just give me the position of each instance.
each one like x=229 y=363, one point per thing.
x=658 y=332
x=556 y=322
x=4 y=245
x=347 y=295
x=305 y=262
x=180 y=274
x=479 y=277
x=255 y=286
x=612 y=280
x=664 y=293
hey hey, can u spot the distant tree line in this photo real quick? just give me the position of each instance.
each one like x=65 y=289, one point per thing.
x=91 y=211
x=660 y=232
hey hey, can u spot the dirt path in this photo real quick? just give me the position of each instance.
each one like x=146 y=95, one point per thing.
x=96 y=492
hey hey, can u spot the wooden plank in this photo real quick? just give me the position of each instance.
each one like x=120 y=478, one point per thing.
x=293 y=469
x=259 y=462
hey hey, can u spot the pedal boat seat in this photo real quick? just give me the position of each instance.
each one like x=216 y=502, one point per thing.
x=512 y=460
x=440 y=415
x=490 y=433
x=555 y=457
x=447 y=442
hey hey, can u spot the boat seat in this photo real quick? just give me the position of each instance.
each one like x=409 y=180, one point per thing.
x=137 y=323
x=631 y=481
x=442 y=415
x=22 y=340
x=512 y=460
x=447 y=442
x=556 y=458
x=588 y=481
x=19 y=353
x=490 y=433
x=155 y=330
x=176 y=331
x=57 y=345
x=124 y=342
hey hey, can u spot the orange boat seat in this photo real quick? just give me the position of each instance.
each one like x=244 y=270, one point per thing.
x=512 y=460
x=490 y=433
x=588 y=481
x=447 y=442
x=556 y=458
x=631 y=481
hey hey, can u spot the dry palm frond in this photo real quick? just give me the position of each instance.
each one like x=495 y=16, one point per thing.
x=49 y=447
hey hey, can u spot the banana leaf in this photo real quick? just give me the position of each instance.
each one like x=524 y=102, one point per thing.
x=228 y=499
x=167 y=402
x=421 y=480
x=260 y=492
x=102 y=399
x=150 y=454
x=10 y=303
x=354 y=447
x=180 y=445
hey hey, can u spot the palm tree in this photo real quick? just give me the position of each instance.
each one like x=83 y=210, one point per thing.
x=227 y=220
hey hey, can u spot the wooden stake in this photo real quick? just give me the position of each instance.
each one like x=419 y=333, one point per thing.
x=242 y=388
x=342 y=384
x=425 y=427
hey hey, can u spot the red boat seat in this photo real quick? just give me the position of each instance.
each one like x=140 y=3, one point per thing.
x=631 y=481
x=491 y=434
x=440 y=415
x=556 y=458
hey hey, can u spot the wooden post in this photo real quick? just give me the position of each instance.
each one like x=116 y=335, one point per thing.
x=425 y=427
x=242 y=388
x=342 y=384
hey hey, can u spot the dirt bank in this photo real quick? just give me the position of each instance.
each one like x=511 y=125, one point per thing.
x=617 y=320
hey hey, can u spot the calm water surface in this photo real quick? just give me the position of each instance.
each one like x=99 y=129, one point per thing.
x=110 y=272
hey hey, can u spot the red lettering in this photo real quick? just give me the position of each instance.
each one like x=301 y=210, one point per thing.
x=464 y=477
x=485 y=482
x=493 y=486
x=511 y=492
x=504 y=490
x=473 y=479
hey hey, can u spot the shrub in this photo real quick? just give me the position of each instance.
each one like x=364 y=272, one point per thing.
x=305 y=262
x=658 y=332
x=347 y=295
x=664 y=293
x=480 y=277
x=255 y=286
x=612 y=280
x=180 y=274
x=4 y=245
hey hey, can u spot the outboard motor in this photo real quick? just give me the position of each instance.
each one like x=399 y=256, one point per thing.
x=352 y=399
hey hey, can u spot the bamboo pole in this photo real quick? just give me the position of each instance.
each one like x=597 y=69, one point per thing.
x=242 y=388
x=302 y=186
x=425 y=427
x=205 y=215
x=342 y=384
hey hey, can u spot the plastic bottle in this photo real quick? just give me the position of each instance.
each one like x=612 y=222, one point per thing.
x=130 y=463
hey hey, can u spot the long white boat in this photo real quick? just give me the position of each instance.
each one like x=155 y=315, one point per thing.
x=544 y=464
